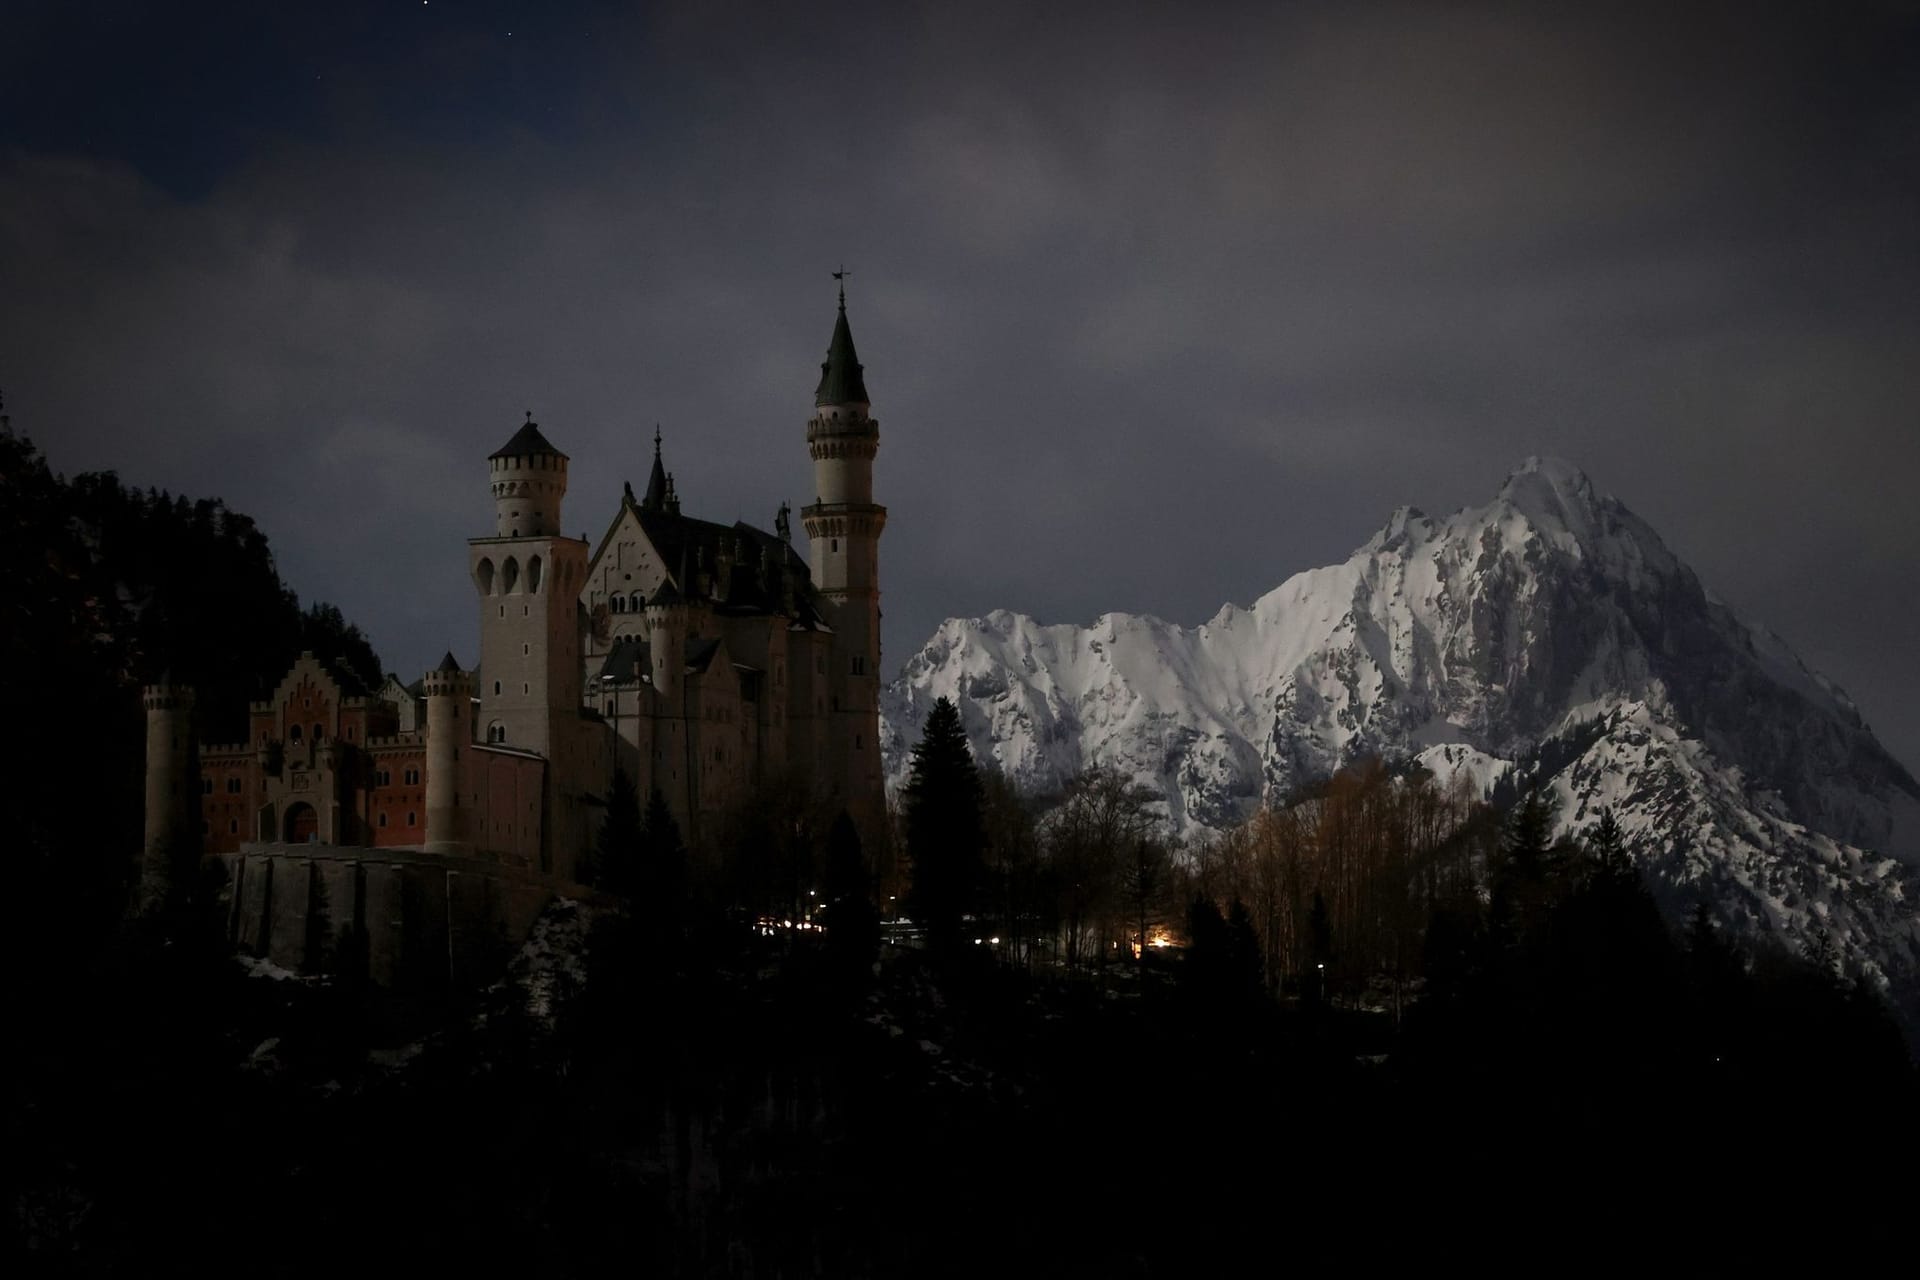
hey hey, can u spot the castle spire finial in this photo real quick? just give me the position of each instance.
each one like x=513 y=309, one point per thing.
x=840 y=380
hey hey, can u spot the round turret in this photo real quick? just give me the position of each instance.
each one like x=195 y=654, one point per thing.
x=449 y=694
x=529 y=480
x=171 y=846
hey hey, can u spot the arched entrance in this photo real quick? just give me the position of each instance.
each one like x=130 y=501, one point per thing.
x=303 y=824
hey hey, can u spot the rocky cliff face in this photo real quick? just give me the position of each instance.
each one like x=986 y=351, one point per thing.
x=1551 y=630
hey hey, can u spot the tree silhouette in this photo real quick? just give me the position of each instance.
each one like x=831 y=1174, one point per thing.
x=852 y=924
x=944 y=835
x=662 y=879
x=617 y=854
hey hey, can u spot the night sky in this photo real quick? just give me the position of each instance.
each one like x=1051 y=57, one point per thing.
x=1158 y=304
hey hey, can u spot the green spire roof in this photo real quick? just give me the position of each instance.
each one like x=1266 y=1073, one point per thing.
x=840 y=381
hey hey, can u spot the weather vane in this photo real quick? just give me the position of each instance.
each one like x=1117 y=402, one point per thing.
x=841 y=275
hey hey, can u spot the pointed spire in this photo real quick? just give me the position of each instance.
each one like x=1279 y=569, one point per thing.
x=840 y=380
x=447 y=663
x=657 y=490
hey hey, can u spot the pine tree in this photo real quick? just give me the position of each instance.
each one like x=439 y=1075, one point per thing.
x=1243 y=962
x=853 y=926
x=616 y=858
x=944 y=829
x=662 y=867
x=1607 y=846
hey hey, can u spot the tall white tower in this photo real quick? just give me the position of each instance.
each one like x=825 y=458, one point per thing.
x=172 y=845
x=529 y=579
x=843 y=528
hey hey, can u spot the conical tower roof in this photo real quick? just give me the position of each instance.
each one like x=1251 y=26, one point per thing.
x=526 y=442
x=657 y=481
x=840 y=380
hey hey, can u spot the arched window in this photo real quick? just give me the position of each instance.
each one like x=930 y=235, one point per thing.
x=293 y=732
x=383 y=819
x=638 y=602
x=483 y=576
x=618 y=604
x=206 y=786
x=510 y=574
x=317 y=733
x=533 y=573
x=496 y=732
x=410 y=819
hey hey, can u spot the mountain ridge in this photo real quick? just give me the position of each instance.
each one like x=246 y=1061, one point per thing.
x=1466 y=641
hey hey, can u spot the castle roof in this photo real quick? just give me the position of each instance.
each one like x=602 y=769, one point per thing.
x=656 y=498
x=627 y=661
x=526 y=443
x=700 y=652
x=840 y=380
x=448 y=664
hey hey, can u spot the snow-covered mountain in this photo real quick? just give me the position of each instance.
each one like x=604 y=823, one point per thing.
x=1550 y=628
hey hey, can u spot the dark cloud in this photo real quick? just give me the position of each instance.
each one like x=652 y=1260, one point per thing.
x=1157 y=307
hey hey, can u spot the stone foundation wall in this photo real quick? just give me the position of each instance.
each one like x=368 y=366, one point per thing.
x=406 y=918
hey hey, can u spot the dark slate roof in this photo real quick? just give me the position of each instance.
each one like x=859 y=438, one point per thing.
x=840 y=380
x=447 y=663
x=683 y=540
x=700 y=652
x=656 y=479
x=626 y=661
x=526 y=442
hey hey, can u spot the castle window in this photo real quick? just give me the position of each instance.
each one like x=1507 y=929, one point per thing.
x=496 y=732
x=383 y=819
x=859 y=665
x=618 y=604
x=233 y=826
x=233 y=786
x=833 y=544
x=525 y=649
x=293 y=732
x=413 y=777
x=410 y=819
x=636 y=602
x=856 y=742
x=496 y=688
x=206 y=786
x=526 y=687
x=382 y=778
x=316 y=733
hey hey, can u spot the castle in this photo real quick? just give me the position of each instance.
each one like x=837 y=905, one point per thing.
x=702 y=659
